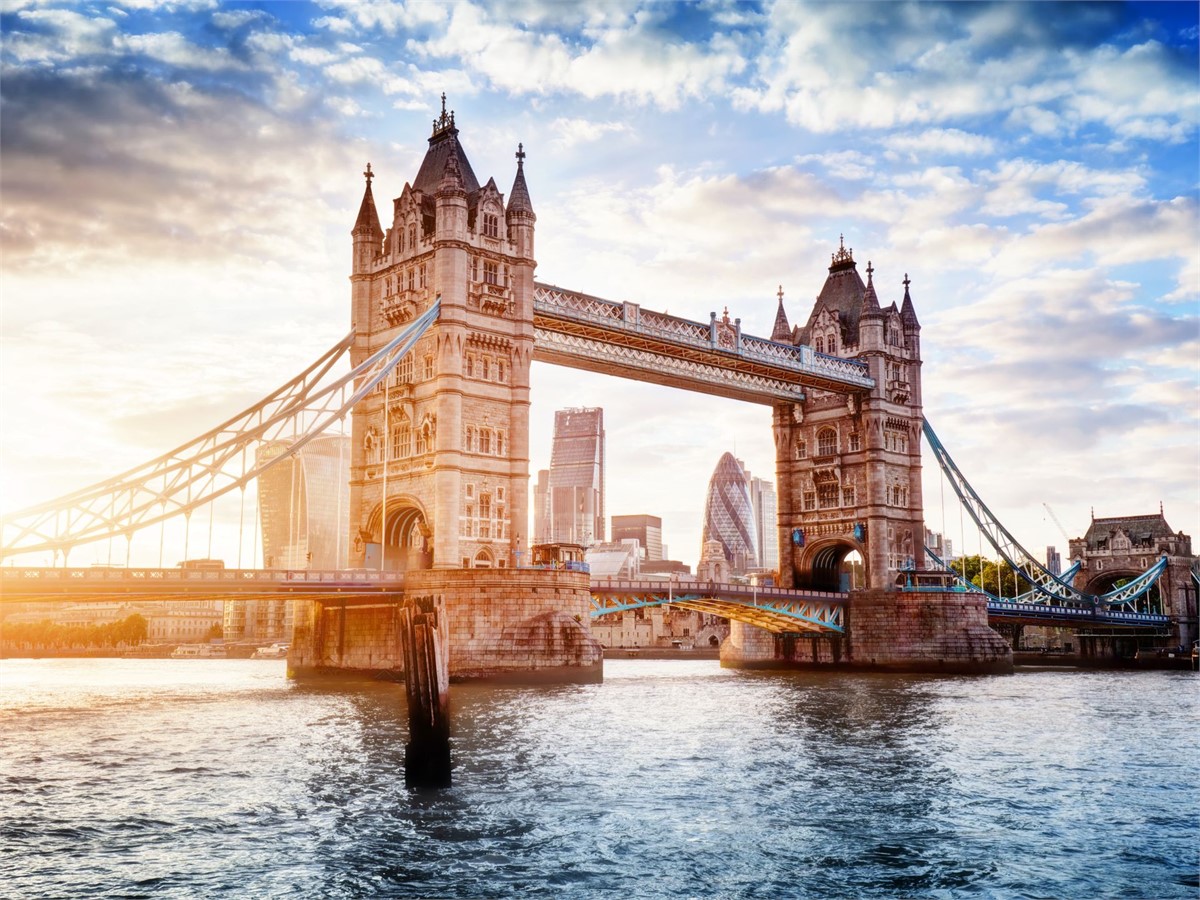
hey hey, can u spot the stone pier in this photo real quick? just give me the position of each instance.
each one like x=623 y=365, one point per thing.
x=518 y=625
x=889 y=631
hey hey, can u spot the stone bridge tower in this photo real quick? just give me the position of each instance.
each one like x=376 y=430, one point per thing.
x=1119 y=548
x=440 y=464
x=849 y=465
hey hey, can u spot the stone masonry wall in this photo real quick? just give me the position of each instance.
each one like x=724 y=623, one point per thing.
x=886 y=631
x=503 y=624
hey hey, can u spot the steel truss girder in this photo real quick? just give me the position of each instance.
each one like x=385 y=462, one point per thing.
x=196 y=473
x=646 y=364
x=1032 y=596
x=1039 y=578
x=777 y=615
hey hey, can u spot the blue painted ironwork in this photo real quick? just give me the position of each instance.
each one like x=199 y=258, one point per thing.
x=1039 y=578
x=1032 y=596
x=1033 y=607
x=779 y=610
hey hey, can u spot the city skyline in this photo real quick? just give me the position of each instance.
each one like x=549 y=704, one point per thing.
x=1040 y=193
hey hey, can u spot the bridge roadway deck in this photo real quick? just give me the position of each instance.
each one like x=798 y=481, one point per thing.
x=117 y=584
x=1042 y=614
x=778 y=610
x=774 y=609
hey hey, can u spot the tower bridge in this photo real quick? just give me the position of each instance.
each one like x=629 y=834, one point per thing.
x=446 y=319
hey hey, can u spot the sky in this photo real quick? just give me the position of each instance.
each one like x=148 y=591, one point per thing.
x=178 y=181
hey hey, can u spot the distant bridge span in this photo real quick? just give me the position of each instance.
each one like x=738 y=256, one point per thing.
x=778 y=610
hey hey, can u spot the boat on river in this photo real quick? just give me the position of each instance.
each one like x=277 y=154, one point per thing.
x=277 y=650
x=198 y=651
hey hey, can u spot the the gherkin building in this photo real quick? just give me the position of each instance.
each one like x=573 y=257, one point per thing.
x=729 y=514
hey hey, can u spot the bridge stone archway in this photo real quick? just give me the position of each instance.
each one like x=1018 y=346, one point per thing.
x=402 y=544
x=824 y=567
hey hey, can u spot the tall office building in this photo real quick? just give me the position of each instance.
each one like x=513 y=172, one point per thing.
x=575 y=492
x=541 y=507
x=646 y=530
x=766 y=521
x=303 y=503
x=729 y=515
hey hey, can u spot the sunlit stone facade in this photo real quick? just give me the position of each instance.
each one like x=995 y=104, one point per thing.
x=848 y=466
x=439 y=470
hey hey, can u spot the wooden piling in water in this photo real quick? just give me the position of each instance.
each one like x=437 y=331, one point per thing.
x=427 y=683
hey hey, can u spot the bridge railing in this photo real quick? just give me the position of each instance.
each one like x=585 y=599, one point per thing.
x=25 y=575
x=638 y=586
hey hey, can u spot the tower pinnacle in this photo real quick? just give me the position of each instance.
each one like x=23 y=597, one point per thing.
x=782 y=332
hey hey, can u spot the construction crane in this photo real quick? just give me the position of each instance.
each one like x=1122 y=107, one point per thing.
x=1066 y=537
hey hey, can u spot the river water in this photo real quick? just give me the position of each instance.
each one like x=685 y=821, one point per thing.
x=199 y=778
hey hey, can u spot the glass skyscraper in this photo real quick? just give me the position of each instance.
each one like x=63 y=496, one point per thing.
x=575 y=491
x=303 y=504
x=729 y=515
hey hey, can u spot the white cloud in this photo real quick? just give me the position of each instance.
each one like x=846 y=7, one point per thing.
x=941 y=141
x=583 y=131
x=174 y=48
x=851 y=165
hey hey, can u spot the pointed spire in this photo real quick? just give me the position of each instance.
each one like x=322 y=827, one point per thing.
x=368 y=217
x=908 y=315
x=518 y=197
x=782 y=331
x=870 y=301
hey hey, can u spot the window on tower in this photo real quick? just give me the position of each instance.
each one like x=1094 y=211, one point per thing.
x=489 y=272
x=810 y=500
x=827 y=495
x=491 y=225
x=826 y=442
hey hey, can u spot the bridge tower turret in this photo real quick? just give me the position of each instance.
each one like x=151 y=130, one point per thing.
x=367 y=236
x=849 y=465
x=440 y=468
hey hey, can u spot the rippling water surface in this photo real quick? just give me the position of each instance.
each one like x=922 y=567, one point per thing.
x=194 y=778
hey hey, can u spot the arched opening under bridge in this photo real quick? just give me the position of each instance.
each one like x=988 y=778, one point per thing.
x=405 y=541
x=835 y=566
x=1105 y=581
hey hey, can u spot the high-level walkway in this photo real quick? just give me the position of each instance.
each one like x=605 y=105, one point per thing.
x=585 y=332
